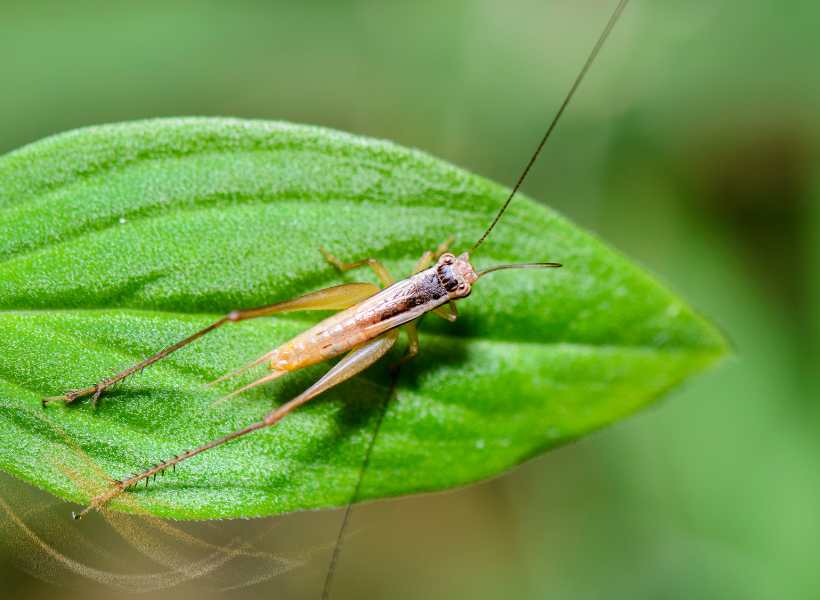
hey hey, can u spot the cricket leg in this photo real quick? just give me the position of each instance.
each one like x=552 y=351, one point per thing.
x=378 y=268
x=332 y=298
x=353 y=363
x=430 y=255
x=448 y=312
x=411 y=329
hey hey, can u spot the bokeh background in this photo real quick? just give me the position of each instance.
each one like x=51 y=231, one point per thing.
x=692 y=147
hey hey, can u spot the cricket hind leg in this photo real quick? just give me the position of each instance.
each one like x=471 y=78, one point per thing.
x=332 y=298
x=353 y=363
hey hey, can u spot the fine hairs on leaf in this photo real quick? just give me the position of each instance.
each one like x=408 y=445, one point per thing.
x=118 y=240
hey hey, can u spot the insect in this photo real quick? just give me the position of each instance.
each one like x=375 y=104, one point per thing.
x=364 y=330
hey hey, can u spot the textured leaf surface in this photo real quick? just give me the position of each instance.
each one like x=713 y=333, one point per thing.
x=118 y=240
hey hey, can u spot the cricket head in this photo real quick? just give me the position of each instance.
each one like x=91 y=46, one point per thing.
x=456 y=274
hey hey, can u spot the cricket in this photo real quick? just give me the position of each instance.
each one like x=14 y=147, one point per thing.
x=366 y=327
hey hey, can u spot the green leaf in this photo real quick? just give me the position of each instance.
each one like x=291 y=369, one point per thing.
x=118 y=240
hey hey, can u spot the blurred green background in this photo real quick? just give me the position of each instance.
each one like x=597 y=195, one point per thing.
x=692 y=147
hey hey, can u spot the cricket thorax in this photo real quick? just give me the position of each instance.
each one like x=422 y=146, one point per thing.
x=456 y=275
x=406 y=300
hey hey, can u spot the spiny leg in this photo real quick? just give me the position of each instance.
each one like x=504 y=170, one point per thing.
x=353 y=363
x=332 y=298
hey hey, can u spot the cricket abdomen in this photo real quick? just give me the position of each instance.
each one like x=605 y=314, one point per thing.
x=393 y=306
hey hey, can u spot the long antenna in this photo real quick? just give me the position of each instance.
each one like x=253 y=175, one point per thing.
x=540 y=265
x=395 y=375
x=580 y=77
x=337 y=548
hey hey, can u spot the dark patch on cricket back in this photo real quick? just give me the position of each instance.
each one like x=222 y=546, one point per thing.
x=447 y=277
x=425 y=287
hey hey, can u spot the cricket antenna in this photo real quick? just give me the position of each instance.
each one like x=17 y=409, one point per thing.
x=541 y=265
x=578 y=79
x=331 y=571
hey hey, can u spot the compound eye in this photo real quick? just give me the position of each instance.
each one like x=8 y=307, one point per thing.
x=462 y=288
x=447 y=259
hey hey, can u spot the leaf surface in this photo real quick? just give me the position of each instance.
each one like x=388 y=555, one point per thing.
x=118 y=240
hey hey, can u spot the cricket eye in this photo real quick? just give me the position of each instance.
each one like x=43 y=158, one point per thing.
x=462 y=288
x=448 y=259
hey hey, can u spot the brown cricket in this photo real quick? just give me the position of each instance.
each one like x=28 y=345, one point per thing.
x=365 y=329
